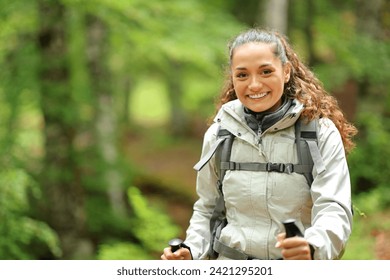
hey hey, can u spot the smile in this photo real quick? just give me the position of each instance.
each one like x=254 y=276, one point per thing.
x=258 y=95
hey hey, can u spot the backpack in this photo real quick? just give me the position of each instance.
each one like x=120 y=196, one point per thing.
x=308 y=157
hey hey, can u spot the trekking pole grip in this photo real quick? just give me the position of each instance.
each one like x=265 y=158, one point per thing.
x=175 y=244
x=291 y=228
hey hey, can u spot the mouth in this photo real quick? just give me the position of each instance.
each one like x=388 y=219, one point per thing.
x=258 y=95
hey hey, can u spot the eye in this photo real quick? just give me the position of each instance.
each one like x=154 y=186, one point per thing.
x=241 y=75
x=266 y=72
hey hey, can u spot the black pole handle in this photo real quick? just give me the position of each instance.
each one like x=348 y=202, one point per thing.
x=175 y=244
x=291 y=228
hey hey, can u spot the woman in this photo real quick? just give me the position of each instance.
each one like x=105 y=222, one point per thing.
x=267 y=90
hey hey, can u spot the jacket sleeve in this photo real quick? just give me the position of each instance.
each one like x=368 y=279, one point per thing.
x=331 y=194
x=198 y=232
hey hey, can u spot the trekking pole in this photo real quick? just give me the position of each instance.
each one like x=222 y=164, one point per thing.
x=291 y=228
x=175 y=244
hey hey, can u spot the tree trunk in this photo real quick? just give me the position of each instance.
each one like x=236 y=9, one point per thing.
x=178 y=119
x=60 y=176
x=106 y=122
x=310 y=14
x=276 y=15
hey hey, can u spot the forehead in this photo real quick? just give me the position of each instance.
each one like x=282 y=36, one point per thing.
x=255 y=52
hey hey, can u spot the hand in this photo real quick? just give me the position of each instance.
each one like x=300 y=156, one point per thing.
x=181 y=254
x=294 y=248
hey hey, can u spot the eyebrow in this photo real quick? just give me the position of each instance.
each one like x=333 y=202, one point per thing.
x=261 y=66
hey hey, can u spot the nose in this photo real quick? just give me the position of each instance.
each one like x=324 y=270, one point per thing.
x=255 y=84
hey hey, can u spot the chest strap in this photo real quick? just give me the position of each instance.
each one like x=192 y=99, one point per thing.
x=269 y=167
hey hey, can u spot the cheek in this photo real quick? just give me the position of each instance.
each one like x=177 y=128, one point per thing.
x=237 y=86
x=277 y=83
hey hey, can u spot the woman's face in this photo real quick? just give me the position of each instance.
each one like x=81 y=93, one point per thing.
x=258 y=76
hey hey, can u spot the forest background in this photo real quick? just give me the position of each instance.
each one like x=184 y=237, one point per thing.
x=103 y=105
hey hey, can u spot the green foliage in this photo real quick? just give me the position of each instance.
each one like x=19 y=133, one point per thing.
x=122 y=251
x=17 y=19
x=361 y=243
x=368 y=203
x=369 y=161
x=149 y=93
x=19 y=232
x=152 y=227
x=146 y=41
x=353 y=57
x=102 y=221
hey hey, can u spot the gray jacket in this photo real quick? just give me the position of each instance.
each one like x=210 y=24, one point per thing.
x=257 y=202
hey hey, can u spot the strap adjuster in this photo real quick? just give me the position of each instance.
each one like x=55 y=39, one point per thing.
x=233 y=165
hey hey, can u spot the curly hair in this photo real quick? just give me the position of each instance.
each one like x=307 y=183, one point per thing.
x=303 y=84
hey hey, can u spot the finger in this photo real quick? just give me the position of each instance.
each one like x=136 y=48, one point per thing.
x=296 y=257
x=181 y=254
x=301 y=252
x=167 y=255
x=279 y=238
x=185 y=253
x=293 y=242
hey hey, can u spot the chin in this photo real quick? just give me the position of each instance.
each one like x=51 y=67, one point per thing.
x=258 y=109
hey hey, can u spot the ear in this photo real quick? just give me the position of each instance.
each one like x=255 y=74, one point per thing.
x=287 y=71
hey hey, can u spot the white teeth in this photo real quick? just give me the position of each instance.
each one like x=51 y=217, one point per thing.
x=258 y=95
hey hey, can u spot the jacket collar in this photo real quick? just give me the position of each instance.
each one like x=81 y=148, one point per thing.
x=232 y=117
x=260 y=122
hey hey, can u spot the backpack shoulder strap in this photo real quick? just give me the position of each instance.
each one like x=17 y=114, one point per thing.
x=307 y=147
x=205 y=159
x=218 y=217
x=223 y=153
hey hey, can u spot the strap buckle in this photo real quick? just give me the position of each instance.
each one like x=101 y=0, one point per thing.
x=277 y=167
x=280 y=167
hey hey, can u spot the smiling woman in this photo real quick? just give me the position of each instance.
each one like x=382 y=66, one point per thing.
x=248 y=194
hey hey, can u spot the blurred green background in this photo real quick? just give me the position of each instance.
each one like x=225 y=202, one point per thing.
x=103 y=106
